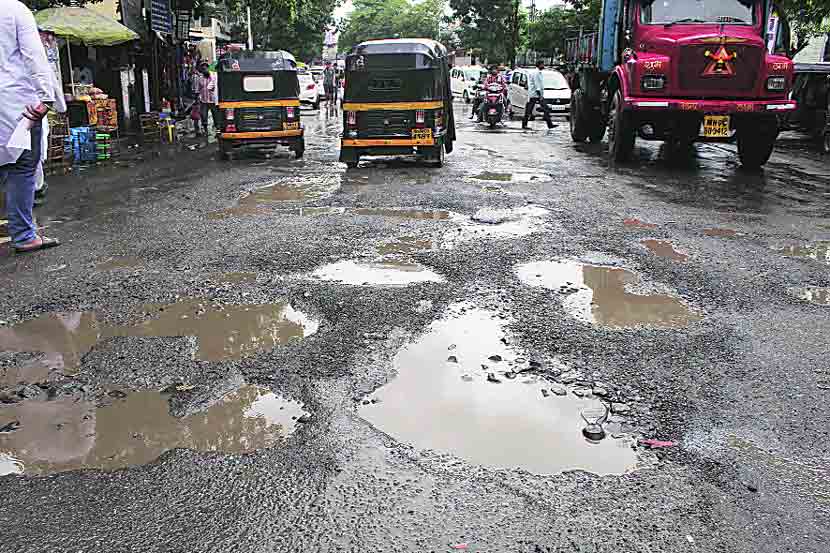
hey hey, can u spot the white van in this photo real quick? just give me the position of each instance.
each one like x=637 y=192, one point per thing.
x=463 y=79
x=557 y=91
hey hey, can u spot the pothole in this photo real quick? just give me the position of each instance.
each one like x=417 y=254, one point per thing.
x=817 y=251
x=456 y=391
x=400 y=213
x=721 y=232
x=405 y=245
x=308 y=188
x=383 y=273
x=223 y=331
x=665 y=249
x=602 y=295
x=812 y=294
x=498 y=224
x=68 y=434
x=115 y=263
x=511 y=177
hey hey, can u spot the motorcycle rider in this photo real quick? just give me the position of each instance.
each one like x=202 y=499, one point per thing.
x=493 y=77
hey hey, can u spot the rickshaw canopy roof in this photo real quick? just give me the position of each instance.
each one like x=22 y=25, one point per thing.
x=258 y=61
x=423 y=46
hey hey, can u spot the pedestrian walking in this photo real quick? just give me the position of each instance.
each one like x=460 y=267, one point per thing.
x=536 y=94
x=207 y=96
x=329 y=81
x=26 y=90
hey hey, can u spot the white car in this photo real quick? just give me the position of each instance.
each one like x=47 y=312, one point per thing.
x=317 y=74
x=308 y=90
x=463 y=79
x=557 y=91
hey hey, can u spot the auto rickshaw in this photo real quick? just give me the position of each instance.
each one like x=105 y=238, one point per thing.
x=259 y=102
x=397 y=101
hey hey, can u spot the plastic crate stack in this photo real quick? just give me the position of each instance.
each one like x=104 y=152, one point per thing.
x=57 y=160
x=82 y=142
x=150 y=128
x=103 y=146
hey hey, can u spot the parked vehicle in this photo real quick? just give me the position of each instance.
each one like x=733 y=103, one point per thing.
x=397 y=101
x=463 y=81
x=317 y=74
x=259 y=102
x=309 y=94
x=557 y=92
x=494 y=105
x=680 y=71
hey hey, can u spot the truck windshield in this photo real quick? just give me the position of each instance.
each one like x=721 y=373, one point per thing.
x=668 y=12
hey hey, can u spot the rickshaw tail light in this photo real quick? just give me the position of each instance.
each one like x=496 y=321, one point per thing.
x=420 y=116
x=289 y=112
x=352 y=118
x=229 y=114
x=439 y=118
x=230 y=128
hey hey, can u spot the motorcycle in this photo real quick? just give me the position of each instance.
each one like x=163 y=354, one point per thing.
x=494 y=104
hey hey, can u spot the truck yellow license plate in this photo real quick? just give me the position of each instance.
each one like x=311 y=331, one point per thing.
x=716 y=126
x=291 y=126
x=422 y=134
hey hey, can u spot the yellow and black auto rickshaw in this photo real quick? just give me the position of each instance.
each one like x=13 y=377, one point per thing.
x=397 y=101
x=259 y=102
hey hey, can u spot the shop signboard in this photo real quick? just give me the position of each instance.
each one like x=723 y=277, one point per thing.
x=161 y=19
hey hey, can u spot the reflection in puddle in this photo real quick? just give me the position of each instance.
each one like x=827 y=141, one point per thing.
x=223 y=331
x=69 y=434
x=386 y=273
x=405 y=245
x=818 y=296
x=636 y=223
x=598 y=295
x=721 y=232
x=817 y=251
x=502 y=177
x=511 y=177
x=452 y=407
x=125 y=262
x=403 y=213
x=665 y=249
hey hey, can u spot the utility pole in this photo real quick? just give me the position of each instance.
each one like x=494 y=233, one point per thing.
x=250 y=32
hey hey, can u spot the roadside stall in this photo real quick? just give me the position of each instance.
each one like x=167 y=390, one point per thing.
x=92 y=114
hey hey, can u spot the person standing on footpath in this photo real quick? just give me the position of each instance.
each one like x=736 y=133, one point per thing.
x=536 y=94
x=207 y=96
x=26 y=90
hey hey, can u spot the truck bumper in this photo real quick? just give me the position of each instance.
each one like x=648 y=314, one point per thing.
x=709 y=106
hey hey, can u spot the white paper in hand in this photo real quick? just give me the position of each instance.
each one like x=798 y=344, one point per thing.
x=21 y=138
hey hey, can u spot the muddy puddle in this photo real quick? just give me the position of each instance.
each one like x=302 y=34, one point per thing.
x=381 y=273
x=452 y=395
x=69 y=433
x=223 y=331
x=400 y=213
x=817 y=251
x=638 y=224
x=602 y=295
x=497 y=224
x=665 y=249
x=814 y=295
x=258 y=201
x=405 y=245
x=511 y=177
x=123 y=262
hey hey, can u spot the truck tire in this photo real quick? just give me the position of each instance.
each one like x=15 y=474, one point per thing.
x=621 y=132
x=578 y=120
x=756 y=141
x=597 y=127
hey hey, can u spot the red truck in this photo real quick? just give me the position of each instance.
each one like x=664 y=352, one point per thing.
x=680 y=71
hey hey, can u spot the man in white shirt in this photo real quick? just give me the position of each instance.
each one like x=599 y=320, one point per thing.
x=536 y=94
x=26 y=88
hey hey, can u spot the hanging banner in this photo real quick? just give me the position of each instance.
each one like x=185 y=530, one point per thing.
x=50 y=44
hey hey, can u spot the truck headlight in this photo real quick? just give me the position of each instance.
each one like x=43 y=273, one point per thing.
x=654 y=82
x=776 y=84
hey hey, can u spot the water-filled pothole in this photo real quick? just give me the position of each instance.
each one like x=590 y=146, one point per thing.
x=69 y=433
x=400 y=213
x=381 y=273
x=223 y=331
x=665 y=249
x=455 y=391
x=498 y=224
x=817 y=251
x=601 y=295
x=812 y=294
x=511 y=177
x=405 y=245
x=123 y=262
x=308 y=188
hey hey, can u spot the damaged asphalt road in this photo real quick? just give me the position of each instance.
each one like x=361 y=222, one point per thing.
x=279 y=355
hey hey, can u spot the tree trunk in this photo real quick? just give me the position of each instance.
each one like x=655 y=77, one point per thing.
x=514 y=34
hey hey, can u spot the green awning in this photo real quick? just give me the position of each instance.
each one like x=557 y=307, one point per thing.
x=83 y=25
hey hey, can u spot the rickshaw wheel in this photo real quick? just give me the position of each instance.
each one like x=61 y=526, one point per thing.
x=351 y=165
x=224 y=151
x=299 y=149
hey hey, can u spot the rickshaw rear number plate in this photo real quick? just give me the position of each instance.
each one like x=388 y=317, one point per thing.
x=291 y=126
x=422 y=134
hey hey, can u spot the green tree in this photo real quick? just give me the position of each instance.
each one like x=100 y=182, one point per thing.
x=550 y=30
x=374 y=19
x=495 y=28
x=808 y=19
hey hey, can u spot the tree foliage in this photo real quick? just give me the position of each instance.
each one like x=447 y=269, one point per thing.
x=35 y=5
x=807 y=18
x=548 y=33
x=374 y=19
x=493 y=28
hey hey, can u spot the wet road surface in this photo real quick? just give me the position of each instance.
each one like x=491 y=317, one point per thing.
x=280 y=355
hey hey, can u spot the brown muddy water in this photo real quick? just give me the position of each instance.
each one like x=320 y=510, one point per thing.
x=223 y=331
x=816 y=251
x=382 y=273
x=452 y=396
x=69 y=433
x=600 y=295
x=665 y=249
x=393 y=212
